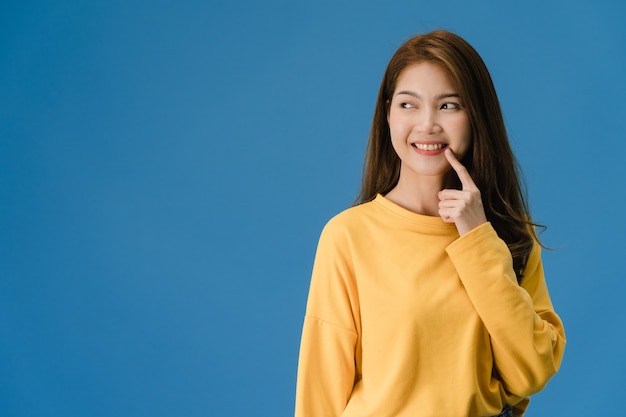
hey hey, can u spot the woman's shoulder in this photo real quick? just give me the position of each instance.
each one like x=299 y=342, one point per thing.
x=351 y=219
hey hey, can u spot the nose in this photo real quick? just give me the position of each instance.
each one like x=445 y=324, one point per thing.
x=427 y=121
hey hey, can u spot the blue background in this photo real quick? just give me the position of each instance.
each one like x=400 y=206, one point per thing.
x=166 y=168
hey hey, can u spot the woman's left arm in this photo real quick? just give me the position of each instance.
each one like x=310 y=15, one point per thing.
x=527 y=336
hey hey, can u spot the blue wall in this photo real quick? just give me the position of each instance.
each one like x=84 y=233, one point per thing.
x=166 y=168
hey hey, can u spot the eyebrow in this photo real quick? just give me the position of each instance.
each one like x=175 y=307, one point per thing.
x=439 y=97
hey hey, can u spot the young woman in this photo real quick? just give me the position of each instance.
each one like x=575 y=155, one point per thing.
x=428 y=298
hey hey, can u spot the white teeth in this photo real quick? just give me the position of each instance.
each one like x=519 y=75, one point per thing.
x=429 y=147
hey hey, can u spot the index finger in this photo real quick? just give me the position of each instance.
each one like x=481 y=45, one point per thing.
x=459 y=168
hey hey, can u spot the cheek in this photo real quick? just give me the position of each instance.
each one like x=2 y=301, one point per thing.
x=466 y=135
x=462 y=136
x=463 y=130
x=398 y=137
x=396 y=126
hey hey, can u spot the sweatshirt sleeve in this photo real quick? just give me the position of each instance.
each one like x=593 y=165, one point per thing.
x=527 y=336
x=326 y=366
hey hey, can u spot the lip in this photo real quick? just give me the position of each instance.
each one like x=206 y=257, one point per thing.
x=428 y=152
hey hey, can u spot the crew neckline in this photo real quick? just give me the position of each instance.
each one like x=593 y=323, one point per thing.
x=415 y=219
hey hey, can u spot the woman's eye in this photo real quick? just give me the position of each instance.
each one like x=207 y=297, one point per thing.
x=406 y=105
x=450 y=106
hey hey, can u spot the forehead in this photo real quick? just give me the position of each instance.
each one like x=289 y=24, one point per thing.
x=425 y=76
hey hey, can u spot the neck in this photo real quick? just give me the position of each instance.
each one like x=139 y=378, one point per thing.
x=419 y=195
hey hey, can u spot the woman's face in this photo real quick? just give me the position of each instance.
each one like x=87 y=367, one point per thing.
x=426 y=116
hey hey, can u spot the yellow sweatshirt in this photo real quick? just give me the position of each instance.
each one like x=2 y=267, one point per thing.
x=406 y=318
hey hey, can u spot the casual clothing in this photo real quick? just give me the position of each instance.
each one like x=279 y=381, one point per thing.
x=507 y=412
x=406 y=318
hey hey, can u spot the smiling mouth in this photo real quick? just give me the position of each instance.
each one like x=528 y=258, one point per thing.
x=429 y=146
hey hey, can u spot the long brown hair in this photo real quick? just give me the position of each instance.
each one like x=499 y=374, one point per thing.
x=490 y=160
